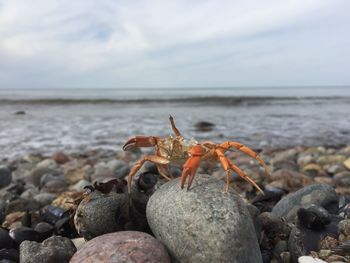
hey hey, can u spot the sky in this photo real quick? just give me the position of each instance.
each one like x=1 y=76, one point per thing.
x=182 y=43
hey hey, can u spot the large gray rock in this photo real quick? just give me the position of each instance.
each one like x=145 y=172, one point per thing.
x=204 y=224
x=316 y=194
x=54 y=249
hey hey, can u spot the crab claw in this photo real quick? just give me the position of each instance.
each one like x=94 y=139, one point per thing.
x=191 y=166
x=140 y=141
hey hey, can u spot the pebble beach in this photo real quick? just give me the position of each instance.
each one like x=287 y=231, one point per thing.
x=75 y=208
x=63 y=182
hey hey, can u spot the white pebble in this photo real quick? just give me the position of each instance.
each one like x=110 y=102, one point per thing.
x=308 y=259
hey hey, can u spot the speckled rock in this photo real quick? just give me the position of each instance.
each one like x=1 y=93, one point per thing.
x=125 y=246
x=100 y=214
x=205 y=224
x=317 y=194
x=54 y=249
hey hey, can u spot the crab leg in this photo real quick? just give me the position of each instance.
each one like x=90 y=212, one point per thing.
x=191 y=165
x=175 y=130
x=241 y=147
x=164 y=170
x=152 y=158
x=227 y=165
x=140 y=141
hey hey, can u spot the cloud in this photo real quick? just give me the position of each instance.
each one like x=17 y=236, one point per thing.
x=89 y=43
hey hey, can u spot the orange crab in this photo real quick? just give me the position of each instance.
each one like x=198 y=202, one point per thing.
x=177 y=150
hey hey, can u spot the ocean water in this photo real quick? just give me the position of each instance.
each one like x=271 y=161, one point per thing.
x=77 y=120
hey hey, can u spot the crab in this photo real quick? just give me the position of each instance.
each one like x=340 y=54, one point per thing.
x=178 y=150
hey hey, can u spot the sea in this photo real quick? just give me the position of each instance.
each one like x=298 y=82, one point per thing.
x=73 y=120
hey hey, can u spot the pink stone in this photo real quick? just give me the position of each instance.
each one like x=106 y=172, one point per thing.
x=124 y=246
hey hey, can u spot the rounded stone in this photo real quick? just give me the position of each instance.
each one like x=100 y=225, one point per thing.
x=44 y=198
x=317 y=194
x=204 y=224
x=125 y=246
x=60 y=157
x=99 y=214
x=5 y=176
x=54 y=249
x=37 y=173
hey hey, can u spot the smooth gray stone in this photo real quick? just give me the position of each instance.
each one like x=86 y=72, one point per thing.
x=204 y=224
x=317 y=194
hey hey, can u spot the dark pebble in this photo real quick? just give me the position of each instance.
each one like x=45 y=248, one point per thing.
x=5 y=176
x=265 y=202
x=303 y=240
x=51 y=214
x=147 y=181
x=20 y=234
x=44 y=228
x=314 y=217
x=204 y=126
x=12 y=255
x=5 y=239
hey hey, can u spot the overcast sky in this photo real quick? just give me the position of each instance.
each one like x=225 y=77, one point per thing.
x=179 y=43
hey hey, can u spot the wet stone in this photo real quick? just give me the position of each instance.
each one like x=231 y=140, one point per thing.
x=317 y=194
x=204 y=224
